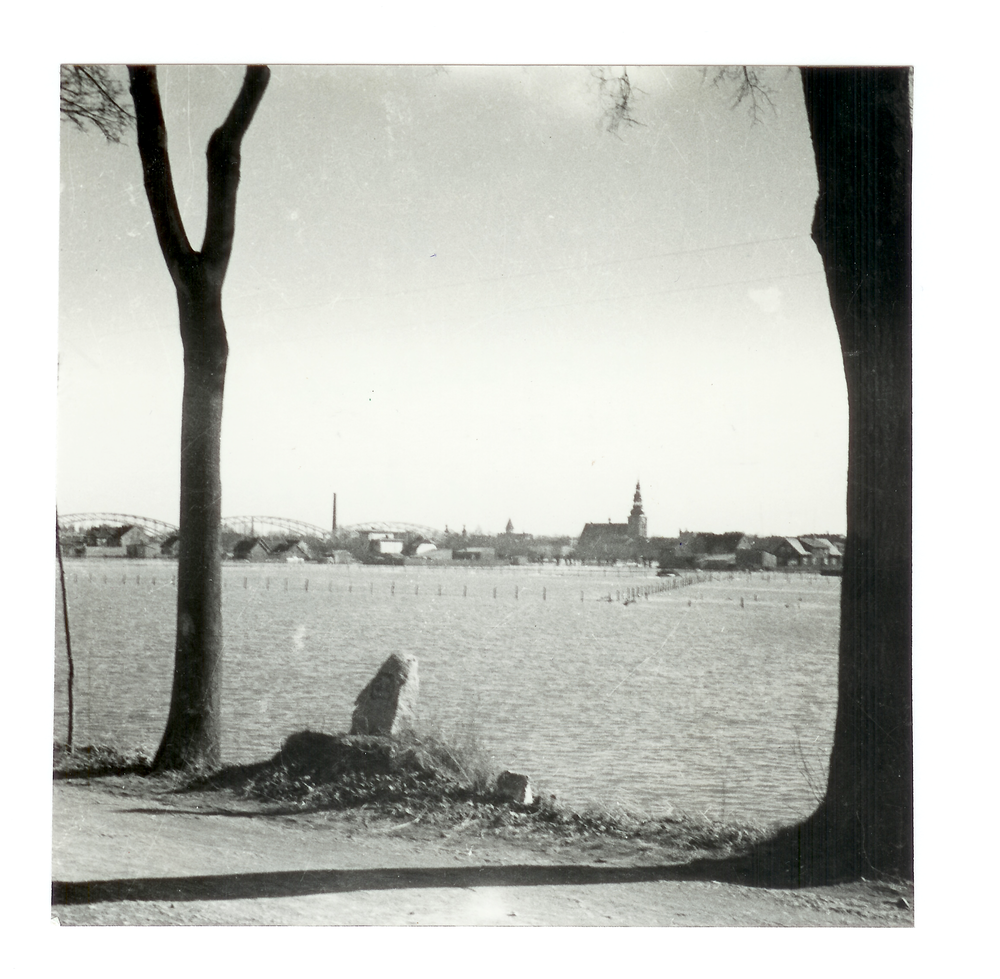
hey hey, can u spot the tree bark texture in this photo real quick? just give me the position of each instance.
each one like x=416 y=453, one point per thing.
x=862 y=136
x=192 y=738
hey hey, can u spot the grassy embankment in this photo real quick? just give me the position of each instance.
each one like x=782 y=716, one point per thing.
x=412 y=781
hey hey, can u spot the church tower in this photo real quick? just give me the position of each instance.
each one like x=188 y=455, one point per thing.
x=637 y=519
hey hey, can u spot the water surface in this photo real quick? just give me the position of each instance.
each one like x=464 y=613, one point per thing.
x=716 y=697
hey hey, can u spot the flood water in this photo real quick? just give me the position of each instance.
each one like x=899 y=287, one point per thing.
x=712 y=697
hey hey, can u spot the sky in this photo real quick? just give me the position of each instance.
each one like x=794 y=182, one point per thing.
x=455 y=298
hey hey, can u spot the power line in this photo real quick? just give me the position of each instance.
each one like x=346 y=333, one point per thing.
x=540 y=272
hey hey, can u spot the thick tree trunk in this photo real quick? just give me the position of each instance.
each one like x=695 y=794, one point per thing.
x=192 y=738
x=861 y=132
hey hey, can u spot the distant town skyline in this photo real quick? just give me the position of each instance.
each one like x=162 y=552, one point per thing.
x=337 y=526
x=456 y=299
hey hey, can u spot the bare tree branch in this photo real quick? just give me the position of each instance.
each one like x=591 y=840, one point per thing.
x=751 y=89
x=617 y=91
x=89 y=96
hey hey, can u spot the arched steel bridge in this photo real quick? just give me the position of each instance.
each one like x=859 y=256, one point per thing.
x=255 y=524
x=263 y=525
x=69 y=522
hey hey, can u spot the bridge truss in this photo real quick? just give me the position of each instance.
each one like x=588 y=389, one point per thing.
x=262 y=526
x=247 y=525
x=71 y=522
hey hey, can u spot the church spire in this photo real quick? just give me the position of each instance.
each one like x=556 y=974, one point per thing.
x=637 y=519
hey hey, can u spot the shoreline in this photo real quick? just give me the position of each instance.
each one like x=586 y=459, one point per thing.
x=263 y=845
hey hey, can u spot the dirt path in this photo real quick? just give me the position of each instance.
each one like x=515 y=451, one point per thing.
x=122 y=860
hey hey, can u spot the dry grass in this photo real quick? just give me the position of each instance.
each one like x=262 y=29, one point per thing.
x=404 y=781
x=95 y=761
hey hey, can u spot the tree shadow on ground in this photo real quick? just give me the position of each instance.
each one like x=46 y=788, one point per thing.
x=299 y=883
x=775 y=865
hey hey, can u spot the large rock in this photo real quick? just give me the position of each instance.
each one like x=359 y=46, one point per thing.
x=388 y=704
x=515 y=788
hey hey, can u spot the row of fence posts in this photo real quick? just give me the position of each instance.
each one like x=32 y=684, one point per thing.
x=392 y=587
x=645 y=591
x=628 y=594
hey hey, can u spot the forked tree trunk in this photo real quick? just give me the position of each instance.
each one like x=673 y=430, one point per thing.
x=192 y=738
x=861 y=131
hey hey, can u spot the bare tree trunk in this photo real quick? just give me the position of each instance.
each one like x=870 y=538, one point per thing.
x=192 y=738
x=861 y=132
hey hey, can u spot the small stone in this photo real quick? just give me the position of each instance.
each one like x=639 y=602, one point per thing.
x=387 y=705
x=515 y=788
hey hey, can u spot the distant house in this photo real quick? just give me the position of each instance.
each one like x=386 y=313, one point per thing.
x=381 y=543
x=251 y=549
x=114 y=542
x=291 y=551
x=752 y=552
x=788 y=552
x=171 y=547
x=824 y=553
x=701 y=550
x=135 y=541
x=480 y=555
x=73 y=545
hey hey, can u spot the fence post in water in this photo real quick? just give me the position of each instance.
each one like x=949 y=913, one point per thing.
x=515 y=592
x=244 y=584
x=494 y=591
x=465 y=591
x=543 y=594
x=416 y=591
x=392 y=590
x=286 y=584
x=307 y=584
